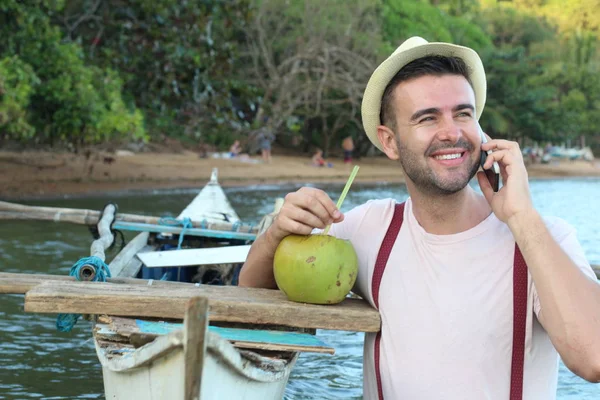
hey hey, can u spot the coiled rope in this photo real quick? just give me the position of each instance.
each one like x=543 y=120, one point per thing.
x=66 y=322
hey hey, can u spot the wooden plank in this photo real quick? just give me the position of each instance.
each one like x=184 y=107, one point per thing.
x=16 y=283
x=128 y=253
x=227 y=303
x=194 y=345
x=134 y=265
x=188 y=257
x=146 y=331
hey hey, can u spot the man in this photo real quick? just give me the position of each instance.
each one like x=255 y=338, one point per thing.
x=446 y=294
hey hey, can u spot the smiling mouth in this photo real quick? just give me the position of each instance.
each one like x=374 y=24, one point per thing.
x=452 y=156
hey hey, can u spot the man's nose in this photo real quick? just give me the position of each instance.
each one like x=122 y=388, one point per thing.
x=449 y=130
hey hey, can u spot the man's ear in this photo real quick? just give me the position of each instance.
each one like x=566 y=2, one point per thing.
x=388 y=142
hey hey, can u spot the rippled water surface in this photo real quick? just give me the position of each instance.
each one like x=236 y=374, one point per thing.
x=36 y=361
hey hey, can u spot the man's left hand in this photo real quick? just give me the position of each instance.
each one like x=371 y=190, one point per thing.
x=514 y=197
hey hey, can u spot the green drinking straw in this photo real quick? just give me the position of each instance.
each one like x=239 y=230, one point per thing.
x=344 y=193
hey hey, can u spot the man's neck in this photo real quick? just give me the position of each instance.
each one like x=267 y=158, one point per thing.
x=449 y=214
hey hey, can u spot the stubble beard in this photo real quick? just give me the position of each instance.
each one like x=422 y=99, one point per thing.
x=425 y=179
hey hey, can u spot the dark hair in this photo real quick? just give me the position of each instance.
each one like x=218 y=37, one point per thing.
x=429 y=65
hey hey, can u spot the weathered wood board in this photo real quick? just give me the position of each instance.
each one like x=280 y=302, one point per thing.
x=227 y=303
x=15 y=283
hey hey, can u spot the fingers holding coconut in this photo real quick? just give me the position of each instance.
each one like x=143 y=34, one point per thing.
x=318 y=203
x=289 y=226
x=305 y=218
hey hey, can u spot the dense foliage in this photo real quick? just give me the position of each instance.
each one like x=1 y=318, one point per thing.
x=78 y=72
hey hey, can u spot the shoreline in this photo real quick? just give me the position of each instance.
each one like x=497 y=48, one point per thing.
x=46 y=175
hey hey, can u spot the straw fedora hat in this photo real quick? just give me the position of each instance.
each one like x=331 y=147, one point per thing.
x=413 y=48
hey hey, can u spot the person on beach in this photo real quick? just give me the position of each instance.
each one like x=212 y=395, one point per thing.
x=318 y=160
x=264 y=138
x=348 y=147
x=478 y=294
x=235 y=149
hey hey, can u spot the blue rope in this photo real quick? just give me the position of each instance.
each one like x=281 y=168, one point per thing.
x=185 y=223
x=66 y=322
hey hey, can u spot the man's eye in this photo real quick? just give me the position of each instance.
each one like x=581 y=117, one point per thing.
x=426 y=119
x=464 y=114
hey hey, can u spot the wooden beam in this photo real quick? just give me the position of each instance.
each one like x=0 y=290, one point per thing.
x=194 y=346
x=16 y=283
x=123 y=259
x=227 y=303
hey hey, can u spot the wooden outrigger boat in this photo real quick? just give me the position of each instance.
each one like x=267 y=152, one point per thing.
x=153 y=337
x=134 y=369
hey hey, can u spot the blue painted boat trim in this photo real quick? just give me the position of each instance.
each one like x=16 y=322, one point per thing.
x=139 y=227
x=239 y=335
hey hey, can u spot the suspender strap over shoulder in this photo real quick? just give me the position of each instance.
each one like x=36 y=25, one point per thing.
x=519 y=325
x=519 y=306
x=382 y=259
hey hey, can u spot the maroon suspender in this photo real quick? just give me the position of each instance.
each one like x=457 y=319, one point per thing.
x=519 y=324
x=382 y=259
x=519 y=306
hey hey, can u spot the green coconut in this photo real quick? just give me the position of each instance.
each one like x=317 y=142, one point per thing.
x=317 y=269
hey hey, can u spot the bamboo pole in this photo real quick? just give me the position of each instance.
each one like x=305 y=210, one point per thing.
x=14 y=211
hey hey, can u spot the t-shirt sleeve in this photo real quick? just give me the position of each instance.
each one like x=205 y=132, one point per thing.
x=566 y=237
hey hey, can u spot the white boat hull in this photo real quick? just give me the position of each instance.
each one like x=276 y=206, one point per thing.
x=156 y=372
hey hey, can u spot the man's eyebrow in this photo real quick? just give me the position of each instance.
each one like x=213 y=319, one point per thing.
x=434 y=110
x=420 y=113
x=464 y=106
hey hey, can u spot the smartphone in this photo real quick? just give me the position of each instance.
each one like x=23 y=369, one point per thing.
x=492 y=174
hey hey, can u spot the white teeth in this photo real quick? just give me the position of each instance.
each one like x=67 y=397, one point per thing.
x=448 y=156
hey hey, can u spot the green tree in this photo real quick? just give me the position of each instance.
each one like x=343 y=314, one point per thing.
x=312 y=61
x=516 y=107
x=402 y=19
x=17 y=83
x=177 y=60
x=74 y=103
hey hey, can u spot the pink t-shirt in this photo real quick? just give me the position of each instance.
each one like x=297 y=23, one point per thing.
x=447 y=308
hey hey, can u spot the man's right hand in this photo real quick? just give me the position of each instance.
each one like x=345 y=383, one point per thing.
x=302 y=211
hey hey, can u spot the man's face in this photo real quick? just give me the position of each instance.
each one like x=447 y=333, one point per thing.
x=436 y=134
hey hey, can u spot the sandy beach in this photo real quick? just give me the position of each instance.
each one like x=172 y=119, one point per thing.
x=31 y=174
